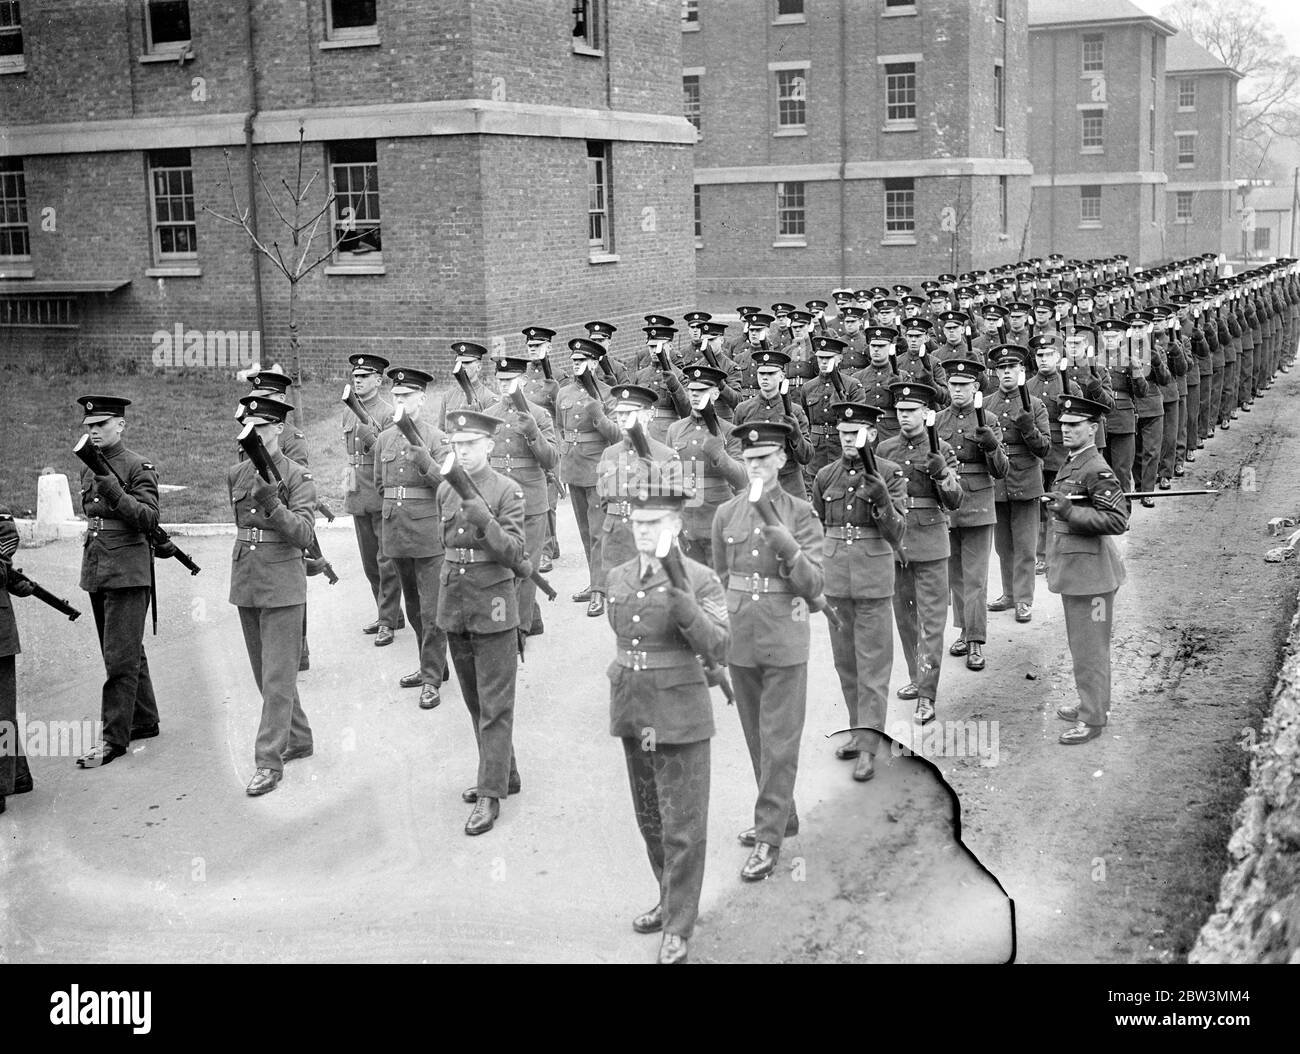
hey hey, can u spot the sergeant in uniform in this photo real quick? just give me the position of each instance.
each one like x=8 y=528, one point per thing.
x=411 y=535
x=921 y=577
x=268 y=584
x=117 y=572
x=817 y=396
x=657 y=682
x=483 y=539
x=15 y=775
x=525 y=449
x=772 y=574
x=1083 y=564
x=712 y=475
x=1027 y=439
x=585 y=431
x=863 y=514
x=361 y=498
x=981 y=461
x=769 y=405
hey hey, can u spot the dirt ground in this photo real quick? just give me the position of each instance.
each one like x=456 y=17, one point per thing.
x=1111 y=852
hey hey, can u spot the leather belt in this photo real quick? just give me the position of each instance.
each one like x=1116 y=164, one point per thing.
x=1017 y=448
x=357 y=461
x=98 y=523
x=634 y=659
x=819 y=430
x=258 y=534
x=757 y=583
x=851 y=532
x=922 y=503
x=618 y=508
x=572 y=435
x=409 y=492
x=972 y=468
x=509 y=461
x=663 y=411
x=469 y=556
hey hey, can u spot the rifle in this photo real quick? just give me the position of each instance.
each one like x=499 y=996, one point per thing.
x=470 y=398
x=710 y=418
x=588 y=383
x=864 y=451
x=1143 y=494
x=407 y=427
x=1024 y=391
x=893 y=360
x=979 y=410
x=546 y=368
x=785 y=398
x=251 y=443
x=460 y=481
x=837 y=382
x=709 y=357
x=517 y=399
x=606 y=367
x=671 y=557
x=637 y=437
x=41 y=593
x=351 y=401
x=763 y=506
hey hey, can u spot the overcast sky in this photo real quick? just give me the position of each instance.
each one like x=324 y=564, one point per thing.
x=1285 y=15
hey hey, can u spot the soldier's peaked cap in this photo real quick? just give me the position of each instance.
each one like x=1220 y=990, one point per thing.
x=598 y=328
x=912 y=392
x=271 y=381
x=695 y=318
x=407 y=379
x=512 y=364
x=1007 y=355
x=828 y=346
x=659 y=332
x=1041 y=341
x=364 y=362
x=466 y=425
x=885 y=333
x=963 y=369
x=760 y=438
x=856 y=413
x=464 y=349
x=701 y=374
x=265 y=408
x=774 y=360
x=633 y=397
x=758 y=319
x=538 y=333
x=589 y=348
x=97 y=408
x=1074 y=408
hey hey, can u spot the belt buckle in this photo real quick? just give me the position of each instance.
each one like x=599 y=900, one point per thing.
x=639 y=659
x=401 y=493
x=465 y=555
x=754 y=584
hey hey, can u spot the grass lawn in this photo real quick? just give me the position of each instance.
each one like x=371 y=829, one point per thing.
x=184 y=424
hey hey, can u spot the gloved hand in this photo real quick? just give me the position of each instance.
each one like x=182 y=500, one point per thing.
x=875 y=488
x=715 y=450
x=781 y=541
x=19 y=588
x=935 y=466
x=671 y=381
x=265 y=495
x=593 y=410
x=1059 y=504
x=165 y=550
x=1025 y=422
x=477 y=512
x=682 y=607
x=420 y=458
x=950 y=459
x=1094 y=388
x=314 y=567
x=528 y=426
x=365 y=435
x=987 y=440
x=110 y=489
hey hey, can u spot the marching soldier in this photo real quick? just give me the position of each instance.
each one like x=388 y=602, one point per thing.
x=657 y=682
x=921 y=577
x=361 y=498
x=15 y=775
x=743 y=355
x=770 y=405
x=817 y=396
x=411 y=535
x=863 y=510
x=670 y=396
x=602 y=333
x=540 y=389
x=1027 y=439
x=268 y=584
x=1049 y=383
x=468 y=364
x=981 y=461
x=772 y=574
x=483 y=539
x=1084 y=566
x=117 y=572
x=1128 y=384
x=877 y=376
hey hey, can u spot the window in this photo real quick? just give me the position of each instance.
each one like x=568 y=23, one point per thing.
x=900 y=210
x=13 y=210
x=600 y=235
x=791 y=96
x=699 y=217
x=1187 y=93
x=1090 y=122
x=1262 y=238
x=586 y=25
x=999 y=98
x=1093 y=52
x=350 y=20
x=900 y=7
x=690 y=14
x=11 y=38
x=1186 y=144
x=167 y=26
x=1183 y=206
x=171 y=184
x=1090 y=206
x=44 y=312
x=691 y=99
x=790 y=210
x=789 y=10
x=1002 y=205
x=900 y=91
x=354 y=175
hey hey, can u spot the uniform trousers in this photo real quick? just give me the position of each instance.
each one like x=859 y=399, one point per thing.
x=1246 y=372
x=670 y=796
x=968 y=578
x=1205 y=415
x=771 y=701
x=1121 y=449
x=419 y=576
x=920 y=610
x=590 y=515
x=863 y=648
x=273 y=637
x=617 y=546
x=13 y=762
x=1088 y=621
x=485 y=667
x=127 y=701
x=1227 y=402
x=1175 y=418
x=1191 y=426
x=526 y=588
x=380 y=573
x=1014 y=537
x=1150 y=434
x=1040 y=543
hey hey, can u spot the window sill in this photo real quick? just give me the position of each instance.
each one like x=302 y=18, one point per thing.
x=1187 y=109
x=1184 y=223
x=173 y=272
x=377 y=267
x=345 y=42
x=18 y=269
x=1089 y=74
x=1186 y=165
x=1000 y=128
x=690 y=27
x=1090 y=225
x=173 y=56
x=10 y=66
x=785 y=132
x=699 y=243
x=899 y=126
x=898 y=12
x=1092 y=149
x=790 y=243
x=583 y=49
x=602 y=258
x=898 y=239
x=790 y=20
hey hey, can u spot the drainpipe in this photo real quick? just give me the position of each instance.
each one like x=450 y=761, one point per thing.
x=844 y=143
x=249 y=118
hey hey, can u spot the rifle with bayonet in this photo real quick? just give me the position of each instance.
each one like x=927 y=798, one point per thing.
x=16 y=576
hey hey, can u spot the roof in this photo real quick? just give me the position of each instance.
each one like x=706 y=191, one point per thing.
x=1055 y=14
x=1184 y=55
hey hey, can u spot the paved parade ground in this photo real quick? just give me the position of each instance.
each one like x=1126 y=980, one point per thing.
x=1111 y=851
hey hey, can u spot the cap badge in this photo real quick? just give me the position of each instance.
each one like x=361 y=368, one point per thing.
x=89 y=405
x=907 y=391
x=753 y=435
x=252 y=405
x=848 y=412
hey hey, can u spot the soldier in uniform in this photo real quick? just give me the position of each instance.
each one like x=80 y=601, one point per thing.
x=1150 y=408
x=525 y=449
x=1027 y=439
x=469 y=364
x=1048 y=383
x=543 y=390
x=1173 y=394
x=863 y=514
x=755 y=342
x=15 y=775
x=876 y=378
x=268 y=585
x=670 y=395
x=361 y=498
x=1127 y=383
x=602 y=333
x=1084 y=566
x=712 y=474
x=981 y=461
x=483 y=539
x=734 y=342
x=729 y=393
x=770 y=405
x=921 y=577
x=411 y=535
x=657 y=682
x=117 y=572
x=817 y=396
x=772 y=574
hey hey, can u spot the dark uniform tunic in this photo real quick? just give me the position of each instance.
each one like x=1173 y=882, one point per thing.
x=659 y=707
x=585 y=430
x=115 y=571
x=817 y=396
x=1027 y=438
x=617 y=476
x=716 y=476
x=361 y=500
x=799 y=450
x=268 y=584
x=671 y=405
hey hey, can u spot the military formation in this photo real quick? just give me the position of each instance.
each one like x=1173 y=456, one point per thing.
x=853 y=466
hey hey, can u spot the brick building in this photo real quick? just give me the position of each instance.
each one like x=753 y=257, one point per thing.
x=496 y=165
x=843 y=142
